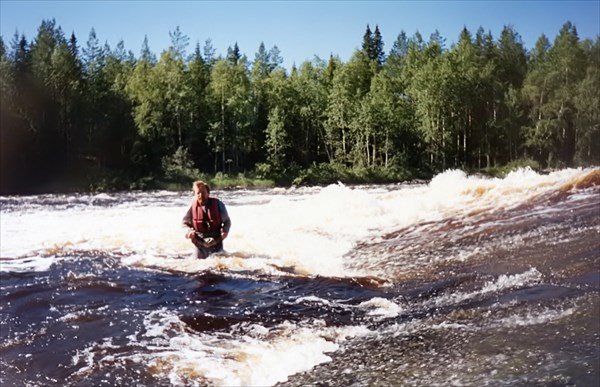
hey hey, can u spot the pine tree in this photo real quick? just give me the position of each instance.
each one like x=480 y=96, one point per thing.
x=260 y=67
x=233 y=54
x=21 y=55
x=512 y=58
x=367 y=43
x=199 y=75
x=209 y=53
x=372 y=46
x=377 y=53
x=179 y=43
x=399 y=48
x=259 y=76
x=47 y=39
x=73 y=47
x=146 y=55
x=275 y=59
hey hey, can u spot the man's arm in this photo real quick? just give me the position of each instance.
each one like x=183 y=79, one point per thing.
x=225 y=219
x=187 y=223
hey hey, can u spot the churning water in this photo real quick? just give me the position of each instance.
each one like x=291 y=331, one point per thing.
x=462 y=280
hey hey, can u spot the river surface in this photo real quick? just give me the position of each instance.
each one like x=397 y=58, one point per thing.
x=461 y=280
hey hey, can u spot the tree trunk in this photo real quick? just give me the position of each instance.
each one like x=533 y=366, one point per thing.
x=222 y=128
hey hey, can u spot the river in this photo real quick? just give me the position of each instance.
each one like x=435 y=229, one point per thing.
x=461 y=280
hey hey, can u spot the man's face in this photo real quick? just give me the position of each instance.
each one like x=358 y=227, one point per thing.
x=201 y=193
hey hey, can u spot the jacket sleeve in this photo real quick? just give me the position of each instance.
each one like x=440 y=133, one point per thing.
x=187 y=223
x=225 y=219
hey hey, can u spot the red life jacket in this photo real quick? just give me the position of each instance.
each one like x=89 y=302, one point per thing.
x=208 y=221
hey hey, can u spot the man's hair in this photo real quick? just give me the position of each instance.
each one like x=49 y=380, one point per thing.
x=201 y=183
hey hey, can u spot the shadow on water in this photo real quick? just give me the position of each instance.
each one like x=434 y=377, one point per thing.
x=227 y=301
x=49 y=318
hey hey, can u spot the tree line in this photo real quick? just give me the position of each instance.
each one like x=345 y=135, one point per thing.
x=71 y=112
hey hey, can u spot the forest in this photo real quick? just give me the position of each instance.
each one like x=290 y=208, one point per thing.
x=90 y=117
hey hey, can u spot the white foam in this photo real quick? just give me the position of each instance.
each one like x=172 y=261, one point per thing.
x=312 y=299
x=381 y=307
x=25 y=265
x=310 y=230
x=261 y=356
x=536 y=317
x=530 y=277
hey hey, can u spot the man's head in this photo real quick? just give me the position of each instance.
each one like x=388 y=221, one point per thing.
x=201 y=190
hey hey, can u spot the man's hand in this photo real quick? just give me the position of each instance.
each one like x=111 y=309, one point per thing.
x=223 y=234
x=190 y=234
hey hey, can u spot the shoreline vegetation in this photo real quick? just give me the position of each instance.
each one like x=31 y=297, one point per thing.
x=318 y=175
x=87 y=117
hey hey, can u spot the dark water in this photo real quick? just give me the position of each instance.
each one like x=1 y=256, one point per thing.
x=498 y=294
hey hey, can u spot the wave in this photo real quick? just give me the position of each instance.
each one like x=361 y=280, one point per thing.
x=295 y=231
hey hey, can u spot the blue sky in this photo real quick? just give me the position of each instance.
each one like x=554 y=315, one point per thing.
x=300 y=29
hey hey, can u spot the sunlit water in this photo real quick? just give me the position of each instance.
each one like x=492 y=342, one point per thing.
x=462 y=280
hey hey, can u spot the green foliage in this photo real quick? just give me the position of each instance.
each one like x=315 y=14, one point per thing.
x=102 y=119
x=179 y=166
x=504 y=170
x=325 y=173
x=221 y=181
x=280 y=174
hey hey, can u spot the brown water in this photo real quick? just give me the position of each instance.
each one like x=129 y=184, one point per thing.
x=461 y=281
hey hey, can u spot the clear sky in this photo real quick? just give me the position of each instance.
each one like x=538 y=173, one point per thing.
x=300 y=29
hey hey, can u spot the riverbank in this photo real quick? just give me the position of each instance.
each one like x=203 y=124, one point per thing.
x=85 y=180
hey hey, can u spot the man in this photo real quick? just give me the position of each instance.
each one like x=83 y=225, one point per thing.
x=206 y=222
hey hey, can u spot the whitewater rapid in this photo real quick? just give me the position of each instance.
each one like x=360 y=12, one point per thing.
x=338 y=284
